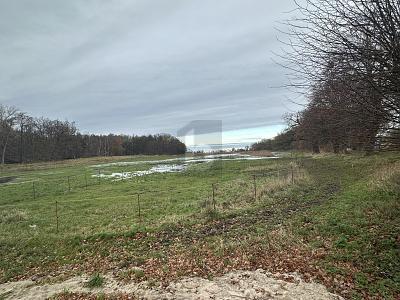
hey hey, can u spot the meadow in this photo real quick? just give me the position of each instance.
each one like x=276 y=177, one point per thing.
x=332 y=218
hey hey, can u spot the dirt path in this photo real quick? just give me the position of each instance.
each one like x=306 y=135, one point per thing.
x=235 y=285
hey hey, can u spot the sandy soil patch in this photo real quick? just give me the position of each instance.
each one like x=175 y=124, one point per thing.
x=235 y=285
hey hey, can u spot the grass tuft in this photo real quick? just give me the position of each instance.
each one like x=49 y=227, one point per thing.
x=95 y=281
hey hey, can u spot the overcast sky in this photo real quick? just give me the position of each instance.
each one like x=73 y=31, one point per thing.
x=148 y=66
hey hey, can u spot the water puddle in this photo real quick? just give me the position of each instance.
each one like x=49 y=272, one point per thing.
x=7 y=180
x=171 y=165
x=153 y=170
x=188 y=159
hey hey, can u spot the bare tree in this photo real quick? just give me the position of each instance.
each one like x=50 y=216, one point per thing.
x=354 y=44
x=23 y=138
x=8 y=118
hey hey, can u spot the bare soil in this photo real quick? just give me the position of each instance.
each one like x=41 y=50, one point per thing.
x=257 y=284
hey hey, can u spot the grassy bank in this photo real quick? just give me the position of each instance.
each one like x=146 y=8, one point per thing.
x=335 y=221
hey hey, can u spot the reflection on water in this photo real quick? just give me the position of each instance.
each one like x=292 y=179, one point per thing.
x=188 y=159
x=155 y=169
x=172 y=165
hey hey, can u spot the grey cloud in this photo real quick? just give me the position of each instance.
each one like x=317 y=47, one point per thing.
x=143 y=66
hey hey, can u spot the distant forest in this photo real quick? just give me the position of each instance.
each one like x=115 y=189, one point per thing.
x=344 y=57
x=27 y=139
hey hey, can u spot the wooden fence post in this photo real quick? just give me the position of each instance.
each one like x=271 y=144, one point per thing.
x=138 y=202
x=291 y=167
x=33 y=190
x=213 y=196
x=57 y=215
x=255 y=187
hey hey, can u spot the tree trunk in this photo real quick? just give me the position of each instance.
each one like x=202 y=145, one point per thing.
x=3 y=154
x=315 y=148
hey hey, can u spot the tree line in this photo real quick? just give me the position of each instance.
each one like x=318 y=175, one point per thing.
x=27 y=139
x=344 y=56
x=284 y=141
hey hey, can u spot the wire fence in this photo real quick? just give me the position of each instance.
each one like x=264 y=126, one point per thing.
x=139 y=203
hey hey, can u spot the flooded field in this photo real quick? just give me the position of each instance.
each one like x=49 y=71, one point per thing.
x=171 y=165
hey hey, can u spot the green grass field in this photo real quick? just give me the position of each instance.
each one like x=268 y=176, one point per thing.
x=336 y=221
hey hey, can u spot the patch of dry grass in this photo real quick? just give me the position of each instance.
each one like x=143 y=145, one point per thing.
x=281 y=180
x=385 y=177
x=12 y=216
x=261 y=153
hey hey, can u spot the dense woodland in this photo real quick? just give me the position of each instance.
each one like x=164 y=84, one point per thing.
x=345 y=58
x=27 y=139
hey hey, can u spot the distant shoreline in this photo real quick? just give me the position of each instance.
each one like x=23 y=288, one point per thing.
x=218 y=147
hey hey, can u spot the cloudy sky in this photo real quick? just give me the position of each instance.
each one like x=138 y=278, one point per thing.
x=148 y=66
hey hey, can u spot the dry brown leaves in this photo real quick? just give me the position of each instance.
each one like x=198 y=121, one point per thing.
x=200 y=259
x=84 y=296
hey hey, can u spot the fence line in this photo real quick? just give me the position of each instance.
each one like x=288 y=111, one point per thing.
x=142 y=203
